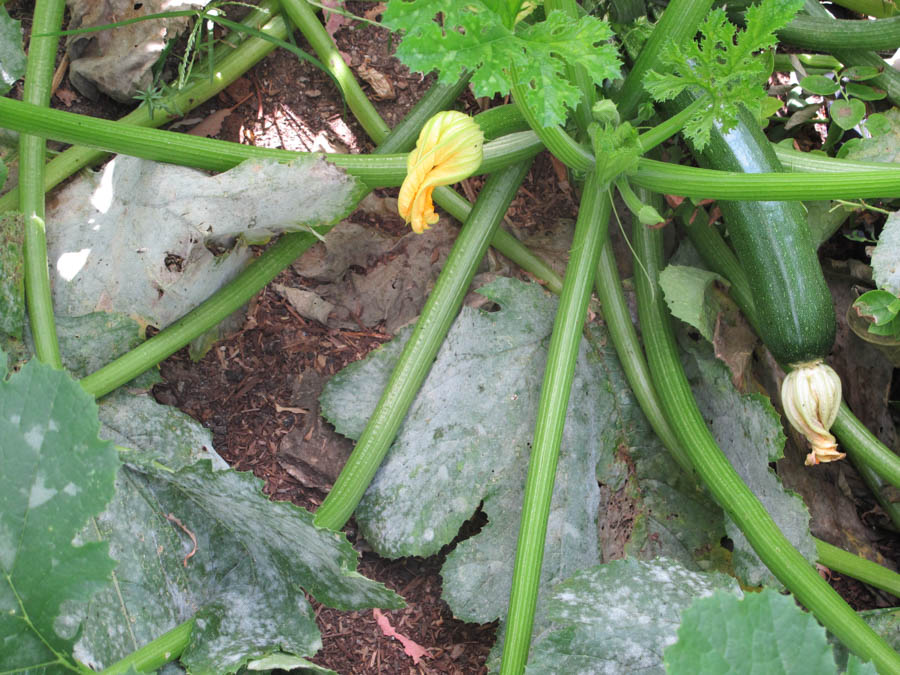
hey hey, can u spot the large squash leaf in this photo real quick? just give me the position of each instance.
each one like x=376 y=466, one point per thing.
x=56 y=475
x=466 y=442
x=195 y=541
x=620 y=617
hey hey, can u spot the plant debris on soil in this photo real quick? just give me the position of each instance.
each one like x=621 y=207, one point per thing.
x=257 y=389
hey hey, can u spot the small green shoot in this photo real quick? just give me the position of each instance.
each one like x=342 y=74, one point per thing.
x=725 y=63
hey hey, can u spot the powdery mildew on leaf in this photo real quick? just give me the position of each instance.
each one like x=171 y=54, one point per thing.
x=244 y=581
x=748 y=430
x=134 y=238
x=56 y=475
x=466 y=441
x=886 y=257
x=619 y=617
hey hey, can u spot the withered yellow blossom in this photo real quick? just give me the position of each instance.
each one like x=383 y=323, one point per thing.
x=449 y=149
x=811 y=396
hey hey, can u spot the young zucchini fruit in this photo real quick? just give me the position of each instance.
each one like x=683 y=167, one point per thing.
x=793 y=303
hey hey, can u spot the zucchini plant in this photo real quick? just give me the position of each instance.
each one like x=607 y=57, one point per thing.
x=561 y=68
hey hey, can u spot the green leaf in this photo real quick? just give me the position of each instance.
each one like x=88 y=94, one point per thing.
x=749 y=432
x=884 y=148
x=888 y=329
x=861 y=73
x=466 y=442
x=878 y=124
x=615 y=618
x=12 y=56
x=253 y=560
x=12 y=281
x=819 y=84
x=847 y=113
x=864 y=92
x=690 y=295
x=761 y=632
x=724 y=63
x=473 y=37
x=57 y=475
x=886 y=256
x=878 y=305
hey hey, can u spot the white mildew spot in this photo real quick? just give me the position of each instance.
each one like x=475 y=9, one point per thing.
x=40 y=493
x=428 y=534
x=35 y=437
x=15 y=419
x=52 y=425
x=71 y=489
x=8 y=547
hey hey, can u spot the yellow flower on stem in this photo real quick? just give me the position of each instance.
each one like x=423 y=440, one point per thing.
x=449 y=149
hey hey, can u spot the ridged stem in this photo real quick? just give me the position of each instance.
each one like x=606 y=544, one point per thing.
x=593 y=215
x=38 y=76
x=383 y=171
x=826 y=34
x=418 y=354
x=375 y=170
x=154 y=655
x=742 y=506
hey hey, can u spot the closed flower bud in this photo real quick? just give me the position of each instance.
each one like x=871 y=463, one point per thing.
x=811 y=396
x=449 y=149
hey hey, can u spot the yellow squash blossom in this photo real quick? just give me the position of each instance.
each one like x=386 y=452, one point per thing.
x=811 y=396
x=449 y=149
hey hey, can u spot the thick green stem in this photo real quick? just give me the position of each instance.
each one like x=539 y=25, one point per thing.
x=154 y=655
x=690 y=181
x=378 y=171
x=302 y=15
x=38 y=76
x=213 y=155
x=678 y=23
x=628 y=348
x=229 y=67
x=838 y=560
x=725 y=484
x=431 y=328
x=593 y=215
x=825 y=34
